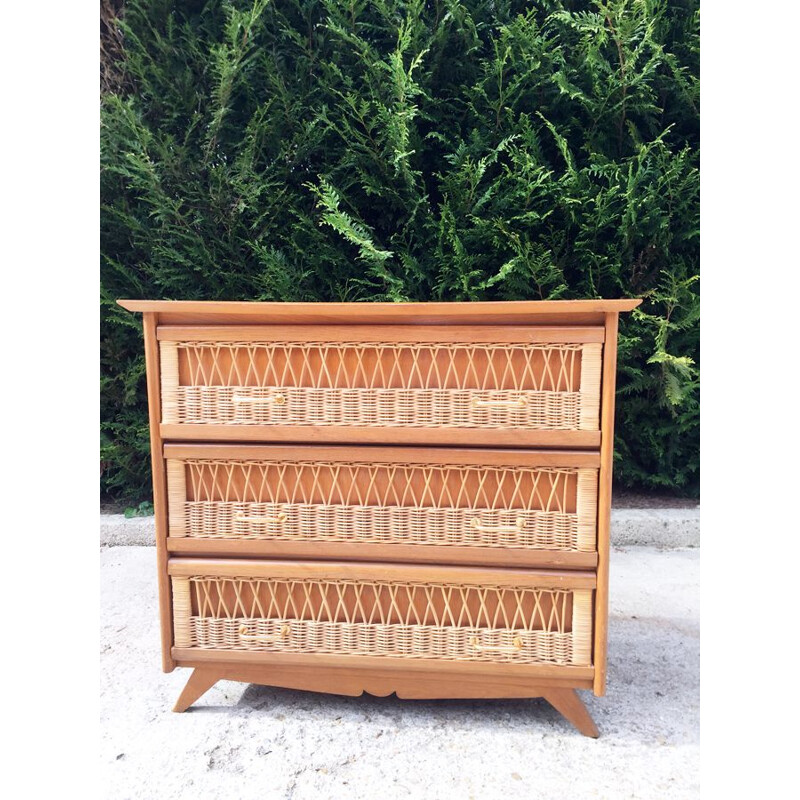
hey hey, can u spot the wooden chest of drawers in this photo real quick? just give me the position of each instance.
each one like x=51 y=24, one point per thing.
x=408 y=498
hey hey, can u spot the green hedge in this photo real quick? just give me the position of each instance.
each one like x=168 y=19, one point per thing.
x=366 y=151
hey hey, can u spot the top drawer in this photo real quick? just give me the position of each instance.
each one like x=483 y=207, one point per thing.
x=412 y=384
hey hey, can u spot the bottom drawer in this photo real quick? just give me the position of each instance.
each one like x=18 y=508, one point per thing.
x=383 y=611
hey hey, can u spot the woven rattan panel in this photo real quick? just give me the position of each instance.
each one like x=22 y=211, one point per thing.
x=530 y=387
x=384 y=619
x=461 y=505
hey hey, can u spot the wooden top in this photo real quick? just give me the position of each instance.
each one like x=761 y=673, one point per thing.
x=554 y=312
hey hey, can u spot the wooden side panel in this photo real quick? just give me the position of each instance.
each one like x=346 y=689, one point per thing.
x=159 y=487
x=604 y=503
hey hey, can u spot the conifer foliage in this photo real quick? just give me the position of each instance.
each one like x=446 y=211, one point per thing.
x=408 y=150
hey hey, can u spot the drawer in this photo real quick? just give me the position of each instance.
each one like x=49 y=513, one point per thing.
x=399 y=613
x=410 y=384
x=452 y=505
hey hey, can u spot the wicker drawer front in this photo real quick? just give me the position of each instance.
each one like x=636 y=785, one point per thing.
x=287 y=610
x=315 y=496
x=527 y=380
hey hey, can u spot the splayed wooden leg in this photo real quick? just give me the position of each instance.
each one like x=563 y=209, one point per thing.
x=569 y=705
x=200 y=681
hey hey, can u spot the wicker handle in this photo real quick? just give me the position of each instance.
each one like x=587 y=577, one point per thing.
x=240 y=516
x=516 y=646
x=278 y=398
x=245 y=637
x=520 y=402
x=515 y=528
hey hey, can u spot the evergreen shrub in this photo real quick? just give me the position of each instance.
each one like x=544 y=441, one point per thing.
x=394 y=151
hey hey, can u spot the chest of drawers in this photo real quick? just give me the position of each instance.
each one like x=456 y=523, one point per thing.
x=408 y=498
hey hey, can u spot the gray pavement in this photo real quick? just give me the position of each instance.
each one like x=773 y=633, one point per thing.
x=245 y=741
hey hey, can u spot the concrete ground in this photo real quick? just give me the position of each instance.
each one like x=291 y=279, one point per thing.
x=256 y=742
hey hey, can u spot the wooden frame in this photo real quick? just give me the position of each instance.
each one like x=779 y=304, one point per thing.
x=410 y=334
x=583 y=321
x=516 y=312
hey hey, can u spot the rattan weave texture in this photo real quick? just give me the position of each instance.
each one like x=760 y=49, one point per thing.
x=529 y=387
x=460 y=505
x=385 y=619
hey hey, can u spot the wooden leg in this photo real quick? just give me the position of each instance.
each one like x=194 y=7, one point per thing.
x=200 y=681
x=569 y=705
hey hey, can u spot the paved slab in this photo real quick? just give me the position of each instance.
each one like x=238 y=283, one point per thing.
x=256 y=742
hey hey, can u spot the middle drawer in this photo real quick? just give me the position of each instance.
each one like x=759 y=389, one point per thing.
x=454 y=505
